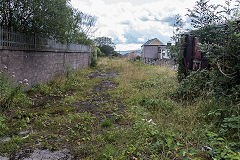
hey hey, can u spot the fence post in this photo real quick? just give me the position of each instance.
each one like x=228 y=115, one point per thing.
x=35 y=41
x=1 y=38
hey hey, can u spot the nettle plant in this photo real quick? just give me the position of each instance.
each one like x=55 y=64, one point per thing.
x=11 y=93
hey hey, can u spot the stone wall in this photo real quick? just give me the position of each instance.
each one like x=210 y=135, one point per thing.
x=41 y=66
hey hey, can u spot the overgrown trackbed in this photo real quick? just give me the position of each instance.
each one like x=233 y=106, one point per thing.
x=96 y=109
x=119 y=110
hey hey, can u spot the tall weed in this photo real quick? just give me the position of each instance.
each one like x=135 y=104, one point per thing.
x=11 y=94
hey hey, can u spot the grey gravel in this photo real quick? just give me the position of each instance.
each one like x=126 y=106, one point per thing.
x=102 y=75
x=5 y=139
x=24 y=132
x=44 y=155
x=3 y=158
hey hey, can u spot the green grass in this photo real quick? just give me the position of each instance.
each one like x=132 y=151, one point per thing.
x=139 y=119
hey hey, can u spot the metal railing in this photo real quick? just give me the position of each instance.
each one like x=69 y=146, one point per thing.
x=10 y=39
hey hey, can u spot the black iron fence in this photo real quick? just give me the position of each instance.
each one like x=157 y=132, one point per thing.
x=10 y=39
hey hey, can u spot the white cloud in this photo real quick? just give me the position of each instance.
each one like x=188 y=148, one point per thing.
x=130 y=22
x=141 y=40
x=126 y=47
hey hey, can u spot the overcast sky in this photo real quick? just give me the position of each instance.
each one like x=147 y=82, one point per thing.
x=130 y=23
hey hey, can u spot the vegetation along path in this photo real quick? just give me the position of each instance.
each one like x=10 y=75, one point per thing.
x=118 y=110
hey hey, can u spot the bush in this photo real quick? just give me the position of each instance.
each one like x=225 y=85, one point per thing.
x=181 y=69
x=219 y=34
x=194 y=85
x=94 y=59
x=99 y=52
x=218 y=111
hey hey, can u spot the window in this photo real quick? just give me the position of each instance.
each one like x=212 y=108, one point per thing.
x=163 y=52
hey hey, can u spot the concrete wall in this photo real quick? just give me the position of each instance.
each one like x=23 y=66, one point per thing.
x=41 y=66
x=150 y=51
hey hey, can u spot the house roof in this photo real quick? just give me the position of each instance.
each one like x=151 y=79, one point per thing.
x=154 y=41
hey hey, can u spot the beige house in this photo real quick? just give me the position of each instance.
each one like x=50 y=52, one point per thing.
x=154 y=50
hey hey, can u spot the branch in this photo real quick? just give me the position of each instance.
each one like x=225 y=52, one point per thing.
x=226 y=75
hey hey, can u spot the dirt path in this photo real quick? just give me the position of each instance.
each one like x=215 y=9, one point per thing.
x=97 y=104
x=98 y=98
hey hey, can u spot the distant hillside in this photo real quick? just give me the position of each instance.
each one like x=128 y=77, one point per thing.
x=132 y=55
x=125 y=52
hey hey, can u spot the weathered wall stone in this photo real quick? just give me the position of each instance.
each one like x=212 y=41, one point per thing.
x=41 y=66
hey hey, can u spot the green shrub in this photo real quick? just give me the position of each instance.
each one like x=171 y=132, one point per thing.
x=217 y=110
x=230 y=128
x=107 y=123
x=180 y=69
x=99 y=52
x=150 y=103
x=222 y=148
x=94 y=59
x=194 y=85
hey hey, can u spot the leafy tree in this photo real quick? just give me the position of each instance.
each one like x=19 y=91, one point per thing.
x=82 y=27
x=203 y=14
x=54 y=19
x=177 y=34
x=107 y=50
x=84 y=23
x=101 y=41
x=106 y=46
x=177 y=28
x=176 y=48
x=49 y=18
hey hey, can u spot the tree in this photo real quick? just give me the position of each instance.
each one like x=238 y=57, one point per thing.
x=54 y=19
x=106 y=46
x=203 y=14
x=177 y=35
x=107 y=50
x=84 y=23
x=101 y=41
x=82 y=28
x=177 y=28
x=49 y=18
